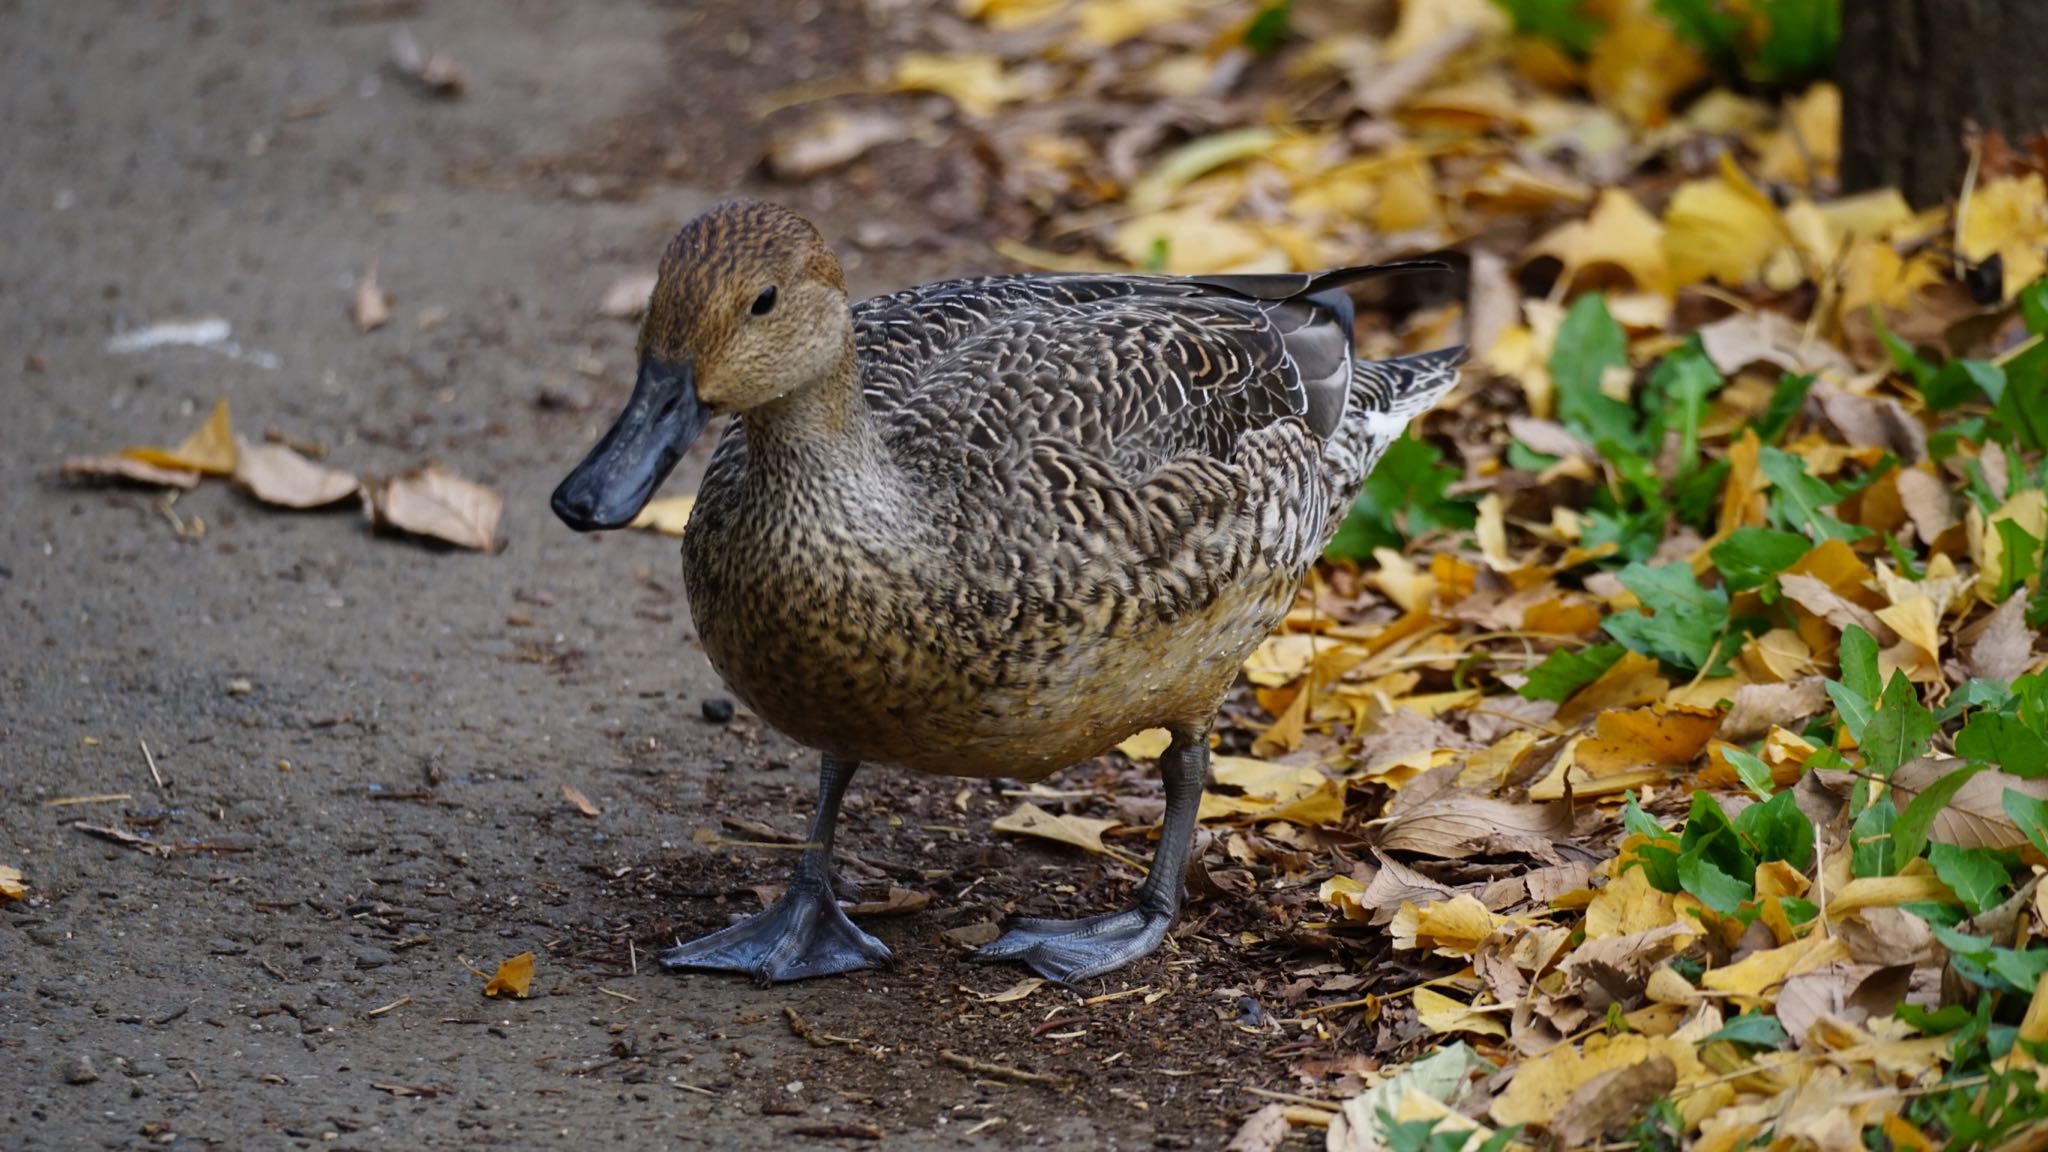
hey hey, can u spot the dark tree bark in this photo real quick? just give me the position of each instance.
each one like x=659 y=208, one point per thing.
x=1913 y=71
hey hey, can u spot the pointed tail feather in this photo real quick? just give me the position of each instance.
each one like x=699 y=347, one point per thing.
x=1394 y=392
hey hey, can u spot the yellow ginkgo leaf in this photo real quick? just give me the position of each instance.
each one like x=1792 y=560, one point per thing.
x=1440 y=1013
x=668 y=516
x=976 y=81
x=1454 y=927
x=1720 y=228
x=2008 y=218
x=210 y=450
x=514 y=978
x=11 y=887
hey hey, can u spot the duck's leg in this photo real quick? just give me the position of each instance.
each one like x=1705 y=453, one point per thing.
x=805 y=933
x=1073 y=950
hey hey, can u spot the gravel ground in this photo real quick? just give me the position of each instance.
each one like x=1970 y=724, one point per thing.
x=362 y=741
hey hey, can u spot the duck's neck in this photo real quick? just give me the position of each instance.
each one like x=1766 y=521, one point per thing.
x=821 y=432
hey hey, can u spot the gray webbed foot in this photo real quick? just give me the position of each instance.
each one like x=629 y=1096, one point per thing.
x=804 y=934
x=1070 y=951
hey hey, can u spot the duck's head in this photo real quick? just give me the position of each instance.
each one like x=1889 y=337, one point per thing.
x=749 y=305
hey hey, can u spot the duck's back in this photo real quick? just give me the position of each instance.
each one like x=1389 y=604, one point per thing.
x=1119 y=483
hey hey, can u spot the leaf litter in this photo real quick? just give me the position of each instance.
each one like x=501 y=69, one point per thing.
x=1658 y=759
x=429 y=502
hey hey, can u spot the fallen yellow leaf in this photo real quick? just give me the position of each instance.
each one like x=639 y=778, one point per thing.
x=514 y=977
x=11 y=887
x=210 y=450
x=1081 y=832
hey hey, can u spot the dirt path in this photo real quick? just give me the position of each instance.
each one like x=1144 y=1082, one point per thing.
x=384 y=799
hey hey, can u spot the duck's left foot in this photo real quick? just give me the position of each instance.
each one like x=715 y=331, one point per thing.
x=804 y=934
x=1070 y=951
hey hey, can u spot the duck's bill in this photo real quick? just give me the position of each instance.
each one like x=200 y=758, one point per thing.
x=620 y=475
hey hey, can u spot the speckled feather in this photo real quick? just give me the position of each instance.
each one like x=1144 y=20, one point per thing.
x=1056 y=510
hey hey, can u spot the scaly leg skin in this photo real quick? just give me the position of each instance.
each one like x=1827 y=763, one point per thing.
x=805 y=933
x=1070 y=951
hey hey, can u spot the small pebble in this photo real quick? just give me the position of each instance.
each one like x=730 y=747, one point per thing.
x=717 y=709
x=79 y=1070
x=373 y=958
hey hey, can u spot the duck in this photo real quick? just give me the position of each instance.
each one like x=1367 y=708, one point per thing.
x=989 y=527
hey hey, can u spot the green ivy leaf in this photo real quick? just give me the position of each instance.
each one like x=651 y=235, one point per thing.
x=1872 y=852
x=1751 y=557
x=1566 y=670
x=1902 y=728
x=1589 y=342
x=1859 y=663
x=1716 y=888
x=2006 y=743
x=1751 y=1030
x=2030 y=814
x=1976 y=875
x=1562 y=22
x=1778 y=830
x=2019 y=556
x=1855 y=710
x=1685 y=619
x=1801 y=499
x=1681 y=384
x=1753 y=772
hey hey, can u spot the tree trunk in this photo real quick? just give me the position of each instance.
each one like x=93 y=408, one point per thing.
x=1913 y=71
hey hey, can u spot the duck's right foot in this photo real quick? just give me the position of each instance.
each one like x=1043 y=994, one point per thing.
x=804 y=934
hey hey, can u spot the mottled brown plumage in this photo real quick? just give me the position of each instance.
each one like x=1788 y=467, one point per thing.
x=994 y=526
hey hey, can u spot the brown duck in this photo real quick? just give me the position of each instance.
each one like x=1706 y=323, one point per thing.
x=989 y=527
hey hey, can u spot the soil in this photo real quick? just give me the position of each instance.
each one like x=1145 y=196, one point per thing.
x=348 y=751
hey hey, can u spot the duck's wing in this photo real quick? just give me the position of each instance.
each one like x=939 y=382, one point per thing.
x=1137 y=370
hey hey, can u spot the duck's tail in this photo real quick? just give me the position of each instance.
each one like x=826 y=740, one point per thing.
x=1393 y=392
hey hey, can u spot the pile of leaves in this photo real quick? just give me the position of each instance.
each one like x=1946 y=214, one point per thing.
x=1662 y=756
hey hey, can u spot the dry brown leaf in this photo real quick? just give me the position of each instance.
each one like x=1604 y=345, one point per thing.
x=1457 y=825
x=1081 y=832
x=1975 y=817
x=433 y=502
x=277 y=475
x=514 y=977
x=580 y=802
x=1873 y=421
x=1815 y=596
x=1765 y=337
x=436 y=73
x=1757 y=708
x=826 y=141
x=1633 y=679
x=1611 y=1101
x=210 y=450
x=2001 y=646
x=372 y=307
x=626 y=299
x=126 y=468
x=1882 y=937
x=1550 y=438
x=1262 y=1131
x=11 y=887
x=1012 y=994
x=1929 y=503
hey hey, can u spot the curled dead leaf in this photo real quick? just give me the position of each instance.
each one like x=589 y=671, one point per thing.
x=1080 y=832
x=370 y=304
x=209 y=450
x=125 y=468
x=11 y=887
x=580 y=802
x=277 y=475
x=514 y=978
x=435 y=72
x=826 y=141
x=434 y=502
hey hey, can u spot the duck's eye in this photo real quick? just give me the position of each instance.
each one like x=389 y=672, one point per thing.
x=765 y=302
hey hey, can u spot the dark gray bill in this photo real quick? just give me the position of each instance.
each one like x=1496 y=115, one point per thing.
x=620 y=475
